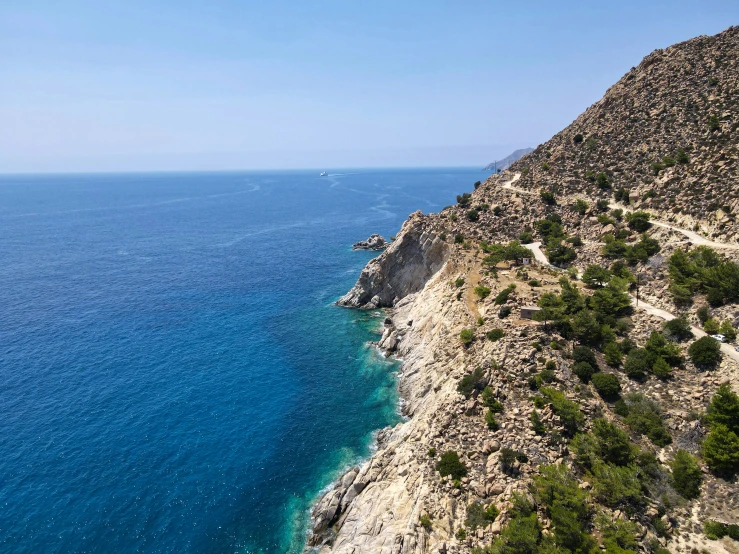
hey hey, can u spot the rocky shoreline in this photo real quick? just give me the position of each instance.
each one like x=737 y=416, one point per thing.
x=370 y=508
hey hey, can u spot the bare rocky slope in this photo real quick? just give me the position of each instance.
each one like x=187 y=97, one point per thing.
x=548 y=459
x=683 y=97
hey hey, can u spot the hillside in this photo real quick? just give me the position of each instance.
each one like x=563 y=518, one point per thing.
x=685 y=97
x=561 y=391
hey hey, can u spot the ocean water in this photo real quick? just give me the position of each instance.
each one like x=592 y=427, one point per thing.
x=174 y=376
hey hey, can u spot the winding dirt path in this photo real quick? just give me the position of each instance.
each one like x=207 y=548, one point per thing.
x=727 y=349
x=694 y=237
x=470 y=297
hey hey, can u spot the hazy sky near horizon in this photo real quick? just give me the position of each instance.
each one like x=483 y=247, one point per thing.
x=227 y=84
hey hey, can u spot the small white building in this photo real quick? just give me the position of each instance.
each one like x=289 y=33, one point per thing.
x=527 y=312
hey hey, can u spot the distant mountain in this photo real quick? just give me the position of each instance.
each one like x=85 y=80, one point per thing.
x=508 y=160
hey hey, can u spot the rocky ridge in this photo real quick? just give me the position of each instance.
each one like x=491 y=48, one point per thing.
x=685 y=97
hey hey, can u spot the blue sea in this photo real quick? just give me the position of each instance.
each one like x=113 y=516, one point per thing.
x=174 y=375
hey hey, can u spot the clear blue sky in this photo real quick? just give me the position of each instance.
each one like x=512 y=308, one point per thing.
x=227 y=84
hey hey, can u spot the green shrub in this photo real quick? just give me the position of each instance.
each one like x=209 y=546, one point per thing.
x=661 y=368
x=703 y=270
x=464 y=199
x=578 y=138
x=467 y=336
x=645 y=417
x=490 y=420
x=617 y=487
x=580 y=206
x=432 y=452
x=477 y=184
x=461 y=534
x=733 y=531
x=584 y=354
x=606 y=384
x=473 y=215
x=504 y=311
x=619 y=536
x=482 y=291
x=610 y=443
x=639 y=220
x=584 y=371
x=705 y=352
x=703 y=314
x=449 y=464
x=678 y=329
x=724 y=408
x=682 y=157
x=479 y=516
x=612 y=354
x=526 y=237
x=508 y=457
x=547 y=197
x=559 y=254
x=566 y=504
x=495 y=334
x=596 y=276
x=621 y=408
x=659 y=346
x=537 y=424
x=535 y=382
x=602 y=181
x=568 y=411
x=638 y=363
x=714 y=530
x=727 y=329
x=713 y=123
x=503 y=295
x=522 y=535
x=459 y=238
x=471 y=382
x=547 y=375
x=721 y=449
x=711 y=326
x=686 y=475
x=459 y=282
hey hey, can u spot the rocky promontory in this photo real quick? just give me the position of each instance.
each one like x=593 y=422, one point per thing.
x=415 y=255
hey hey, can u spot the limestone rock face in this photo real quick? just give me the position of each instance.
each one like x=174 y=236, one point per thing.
x=404 y=268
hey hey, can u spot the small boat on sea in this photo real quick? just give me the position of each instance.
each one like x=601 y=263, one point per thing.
x=324 y=174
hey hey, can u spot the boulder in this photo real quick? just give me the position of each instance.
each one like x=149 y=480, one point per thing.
x=374 y=242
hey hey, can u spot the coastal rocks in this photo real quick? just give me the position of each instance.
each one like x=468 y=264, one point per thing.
x=403 y=269
x=374 y=242
x=334 y=503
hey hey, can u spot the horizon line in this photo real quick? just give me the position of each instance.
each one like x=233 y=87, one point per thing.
x=267 y=169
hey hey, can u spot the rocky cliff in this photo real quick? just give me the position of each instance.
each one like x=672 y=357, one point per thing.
x=413 y=257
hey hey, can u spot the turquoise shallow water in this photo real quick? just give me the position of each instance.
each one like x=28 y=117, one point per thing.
x=175 y=376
